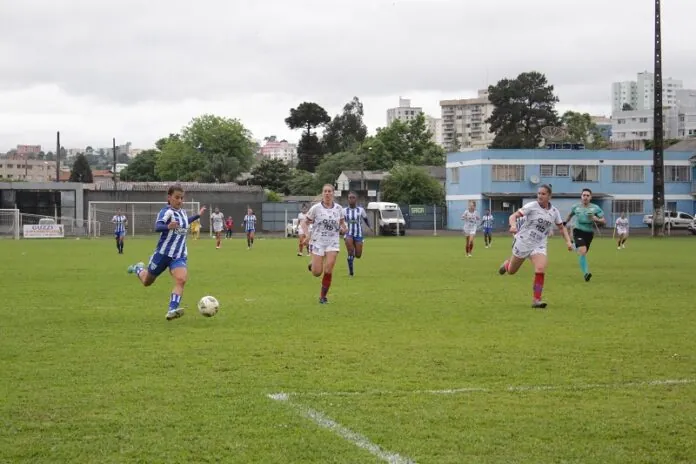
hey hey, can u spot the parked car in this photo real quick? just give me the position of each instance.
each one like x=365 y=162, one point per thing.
x=676 y=219
x=692 y=227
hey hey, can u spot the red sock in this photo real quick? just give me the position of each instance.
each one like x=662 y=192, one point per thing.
x=538 y=285
x=325 y=284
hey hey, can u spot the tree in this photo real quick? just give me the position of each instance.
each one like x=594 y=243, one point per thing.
x=406 y=143
x=302 y=183
x=332 y=165
x=142 y=168
x=627 y=107
x=179 y=161
x=81 y=172
x=522 y=106
x=161 y=142
x=272 y=174
x=408 y=184
x=308 y=116
x=345 y=130
x=224 y=143
x=580 y=126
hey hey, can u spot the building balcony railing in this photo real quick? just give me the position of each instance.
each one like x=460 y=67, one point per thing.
x=693 y=187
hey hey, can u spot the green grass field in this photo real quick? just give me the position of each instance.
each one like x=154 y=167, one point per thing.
x=92 y=373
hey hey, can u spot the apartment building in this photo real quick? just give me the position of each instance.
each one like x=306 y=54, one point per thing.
x=463 y=122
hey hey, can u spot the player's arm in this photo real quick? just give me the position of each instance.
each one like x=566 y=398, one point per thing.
x=512 y=222
x=598 y=217
x=367 y=221
x=564 y=231
x=164 y=221
x=342 y=226
x=570 y=216
x=195 y=217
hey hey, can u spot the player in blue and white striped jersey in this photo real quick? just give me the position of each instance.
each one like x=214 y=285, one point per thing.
x=172 y=224
x=249 y=223
x=487 y=222
x=120 y=222
x=355 y=216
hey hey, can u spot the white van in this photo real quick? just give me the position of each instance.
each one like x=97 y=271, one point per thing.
x=388 y=218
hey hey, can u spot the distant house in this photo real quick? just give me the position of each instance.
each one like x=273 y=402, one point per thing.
x=369 y=181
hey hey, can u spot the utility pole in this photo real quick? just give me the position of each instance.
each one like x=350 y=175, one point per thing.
x=658 y=221
x=114 y=173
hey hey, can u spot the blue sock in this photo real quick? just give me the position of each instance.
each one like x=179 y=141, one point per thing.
x=174 y=302
x=583 y=264
x=350 y=263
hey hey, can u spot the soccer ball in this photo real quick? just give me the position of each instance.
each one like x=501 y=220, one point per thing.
x=208 y=306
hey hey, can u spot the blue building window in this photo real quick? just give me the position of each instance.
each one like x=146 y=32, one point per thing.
x=580 y=173
x=677 y=174
x=620 y=174
x=507 y=173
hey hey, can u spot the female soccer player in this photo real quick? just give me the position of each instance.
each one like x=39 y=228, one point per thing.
x=487 y=222
x=218 y=221
x=229 y=227
x=329 y=223
x=530 y=241
x=471 y=222
x=354 y=215
x=587 y=216
x=120 y=223
x=621 y=229
x=301 y=231
x=172 y=224
x=249 y=223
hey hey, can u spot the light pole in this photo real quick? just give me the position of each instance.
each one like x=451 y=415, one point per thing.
x=658 y=221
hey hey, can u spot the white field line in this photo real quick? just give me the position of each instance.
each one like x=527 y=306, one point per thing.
x=512 y=389
x=353 y=437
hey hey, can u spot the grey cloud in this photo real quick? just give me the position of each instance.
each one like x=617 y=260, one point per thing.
x=126 y=51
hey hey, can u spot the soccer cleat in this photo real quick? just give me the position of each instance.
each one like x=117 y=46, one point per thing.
x=133 y=267
x=503 y=268
x=323 y=300
x=174 y=314
x=588 y=276
x=538 y=304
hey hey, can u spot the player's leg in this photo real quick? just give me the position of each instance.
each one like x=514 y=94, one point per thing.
x=618 y=241
x=248 y=235
x=218 y=238
x=300 y=244
x=117 y=236
x=539 y=260
x=581 y=247
x=147 y=275
x=358 y=241
x=316 y=264
x=350 y=249
x=468 y=240
x=471 y=242
x=623 y=241
x=329 y=263
x=516 y=259
x=253 y=232
x=123 y=239
x=179 y=273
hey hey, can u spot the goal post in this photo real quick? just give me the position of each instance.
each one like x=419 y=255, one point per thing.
x=10 y=223
x=141 y=215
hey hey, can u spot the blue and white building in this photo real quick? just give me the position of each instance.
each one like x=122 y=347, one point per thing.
x=621 y=181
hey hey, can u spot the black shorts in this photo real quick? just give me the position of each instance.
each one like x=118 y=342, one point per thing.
x=582 y=238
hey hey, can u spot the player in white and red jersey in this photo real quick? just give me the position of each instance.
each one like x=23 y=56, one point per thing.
x=622 y=225
x=302 y=231
x=329 y=223
x=530 y=241
x=472 y=220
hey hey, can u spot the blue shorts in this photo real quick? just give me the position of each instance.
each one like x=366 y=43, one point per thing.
x=250 y=230
x=355 y=238
x=487 y=230
x=159 y=262
x=120 y=234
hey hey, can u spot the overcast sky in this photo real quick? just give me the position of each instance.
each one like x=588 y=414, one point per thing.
x=138 y=70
